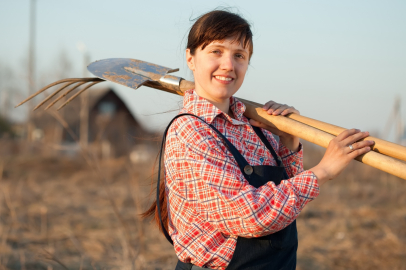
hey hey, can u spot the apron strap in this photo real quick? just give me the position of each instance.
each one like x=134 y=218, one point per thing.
x=261 y=135
x=268 y=145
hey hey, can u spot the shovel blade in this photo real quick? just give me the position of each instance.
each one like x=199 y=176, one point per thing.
x=129 y=72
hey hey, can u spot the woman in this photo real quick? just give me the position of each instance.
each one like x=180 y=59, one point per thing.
x=232 y=193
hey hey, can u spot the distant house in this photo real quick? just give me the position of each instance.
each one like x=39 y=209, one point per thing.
x=113 y=129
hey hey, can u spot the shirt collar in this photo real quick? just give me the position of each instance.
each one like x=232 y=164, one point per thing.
x=194 y=104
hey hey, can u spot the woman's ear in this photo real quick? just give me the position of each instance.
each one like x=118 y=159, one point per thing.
x=190 y=60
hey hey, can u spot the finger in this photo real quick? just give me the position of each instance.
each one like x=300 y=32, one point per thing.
x=280 y=109
x=257 y=123
x=346 y=133
x=268 y=105
x=290 y=110
x=359 y=152
x=359 y=145
x=273 y=107
x=355 y=137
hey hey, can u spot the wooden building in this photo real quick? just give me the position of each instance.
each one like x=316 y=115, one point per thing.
x=113 y=129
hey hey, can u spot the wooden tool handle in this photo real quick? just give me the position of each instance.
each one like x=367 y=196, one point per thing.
x=316 y=136
x=381 y=146
x=321 y=133
x=186 y=85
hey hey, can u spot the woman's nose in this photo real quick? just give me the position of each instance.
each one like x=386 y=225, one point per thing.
x=227 y=63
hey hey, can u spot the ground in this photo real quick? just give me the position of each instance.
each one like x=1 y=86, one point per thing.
x=59 y=212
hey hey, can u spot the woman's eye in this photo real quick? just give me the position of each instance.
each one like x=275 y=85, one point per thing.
x=216 y=52
x=240 y=56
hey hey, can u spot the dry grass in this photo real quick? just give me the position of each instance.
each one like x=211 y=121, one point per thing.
x=58 y=213
x=357 y=222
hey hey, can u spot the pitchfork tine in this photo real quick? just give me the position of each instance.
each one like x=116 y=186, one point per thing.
x=78 y=93
x=53 y=94
x=55 y=83
x=63 y=95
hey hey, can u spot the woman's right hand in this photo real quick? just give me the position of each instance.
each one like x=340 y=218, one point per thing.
x=338 y=154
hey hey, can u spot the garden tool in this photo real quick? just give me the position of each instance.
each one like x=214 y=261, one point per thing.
x=136 y=73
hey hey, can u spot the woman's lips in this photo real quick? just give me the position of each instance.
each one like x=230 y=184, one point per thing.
x=223 y=79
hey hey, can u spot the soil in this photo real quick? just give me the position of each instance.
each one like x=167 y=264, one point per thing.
x=59 y=212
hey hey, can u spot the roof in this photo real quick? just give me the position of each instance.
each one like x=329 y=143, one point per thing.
x=71 y=112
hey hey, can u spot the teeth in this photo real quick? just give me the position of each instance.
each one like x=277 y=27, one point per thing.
x=223 y=78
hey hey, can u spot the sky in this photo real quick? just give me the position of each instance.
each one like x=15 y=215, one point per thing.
x=341 y=62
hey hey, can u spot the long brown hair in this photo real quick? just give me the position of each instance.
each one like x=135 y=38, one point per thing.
x=212 y=26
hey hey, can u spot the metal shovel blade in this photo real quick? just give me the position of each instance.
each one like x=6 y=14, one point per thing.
x=128 y=72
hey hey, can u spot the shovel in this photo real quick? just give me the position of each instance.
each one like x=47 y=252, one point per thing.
x=136 y=73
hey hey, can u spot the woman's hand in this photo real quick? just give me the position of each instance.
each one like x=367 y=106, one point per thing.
x=273 y=108
x=339 y=154
x=278 y=109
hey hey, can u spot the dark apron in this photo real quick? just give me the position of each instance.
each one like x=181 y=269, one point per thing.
x=273 y=251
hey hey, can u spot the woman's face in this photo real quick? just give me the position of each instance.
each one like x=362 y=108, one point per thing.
x=219 y=69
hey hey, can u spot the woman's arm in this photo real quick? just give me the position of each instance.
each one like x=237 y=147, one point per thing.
x=338 y=154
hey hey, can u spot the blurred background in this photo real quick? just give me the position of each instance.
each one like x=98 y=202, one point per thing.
x=73 y=182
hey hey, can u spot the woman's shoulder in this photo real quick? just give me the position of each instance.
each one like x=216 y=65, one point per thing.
x=190 y=129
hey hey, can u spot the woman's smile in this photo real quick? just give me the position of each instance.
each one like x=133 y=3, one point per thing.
x=224 y=79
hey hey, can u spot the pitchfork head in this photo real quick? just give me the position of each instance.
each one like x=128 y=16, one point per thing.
x=128 y=72
x=74 y=82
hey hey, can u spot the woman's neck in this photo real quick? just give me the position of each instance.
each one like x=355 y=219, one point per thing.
x=222 y=105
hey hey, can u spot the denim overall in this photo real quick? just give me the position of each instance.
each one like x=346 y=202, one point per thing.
x=273 y=251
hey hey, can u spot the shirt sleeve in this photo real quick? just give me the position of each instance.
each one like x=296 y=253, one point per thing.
x=202 y=172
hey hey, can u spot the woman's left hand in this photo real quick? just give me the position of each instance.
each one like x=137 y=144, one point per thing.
x=273 y=108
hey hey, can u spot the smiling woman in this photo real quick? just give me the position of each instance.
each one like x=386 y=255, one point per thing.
x=219 y=70
x=218 y=52
x=231 y=192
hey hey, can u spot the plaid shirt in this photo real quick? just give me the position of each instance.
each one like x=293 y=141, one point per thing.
x=210 y=202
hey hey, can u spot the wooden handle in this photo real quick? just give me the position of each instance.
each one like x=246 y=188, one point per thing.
x=186 y=85
x=321 y=133
x=381 y=146
x=316 y=136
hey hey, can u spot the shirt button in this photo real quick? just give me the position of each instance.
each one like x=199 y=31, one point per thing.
x=248 y=170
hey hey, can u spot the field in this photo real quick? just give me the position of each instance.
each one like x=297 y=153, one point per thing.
x=61 y=212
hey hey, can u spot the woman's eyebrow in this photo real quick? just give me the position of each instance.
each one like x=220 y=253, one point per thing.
x=222 y=46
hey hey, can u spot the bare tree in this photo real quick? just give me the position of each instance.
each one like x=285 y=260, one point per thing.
x=395 y=120
x=11 y=90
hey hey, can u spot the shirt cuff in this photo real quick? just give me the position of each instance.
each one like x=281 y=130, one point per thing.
x=308 y=186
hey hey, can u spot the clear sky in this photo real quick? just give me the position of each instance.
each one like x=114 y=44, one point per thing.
x=342 y=62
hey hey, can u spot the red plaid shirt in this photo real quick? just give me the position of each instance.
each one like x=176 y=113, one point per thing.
x=210 y=201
